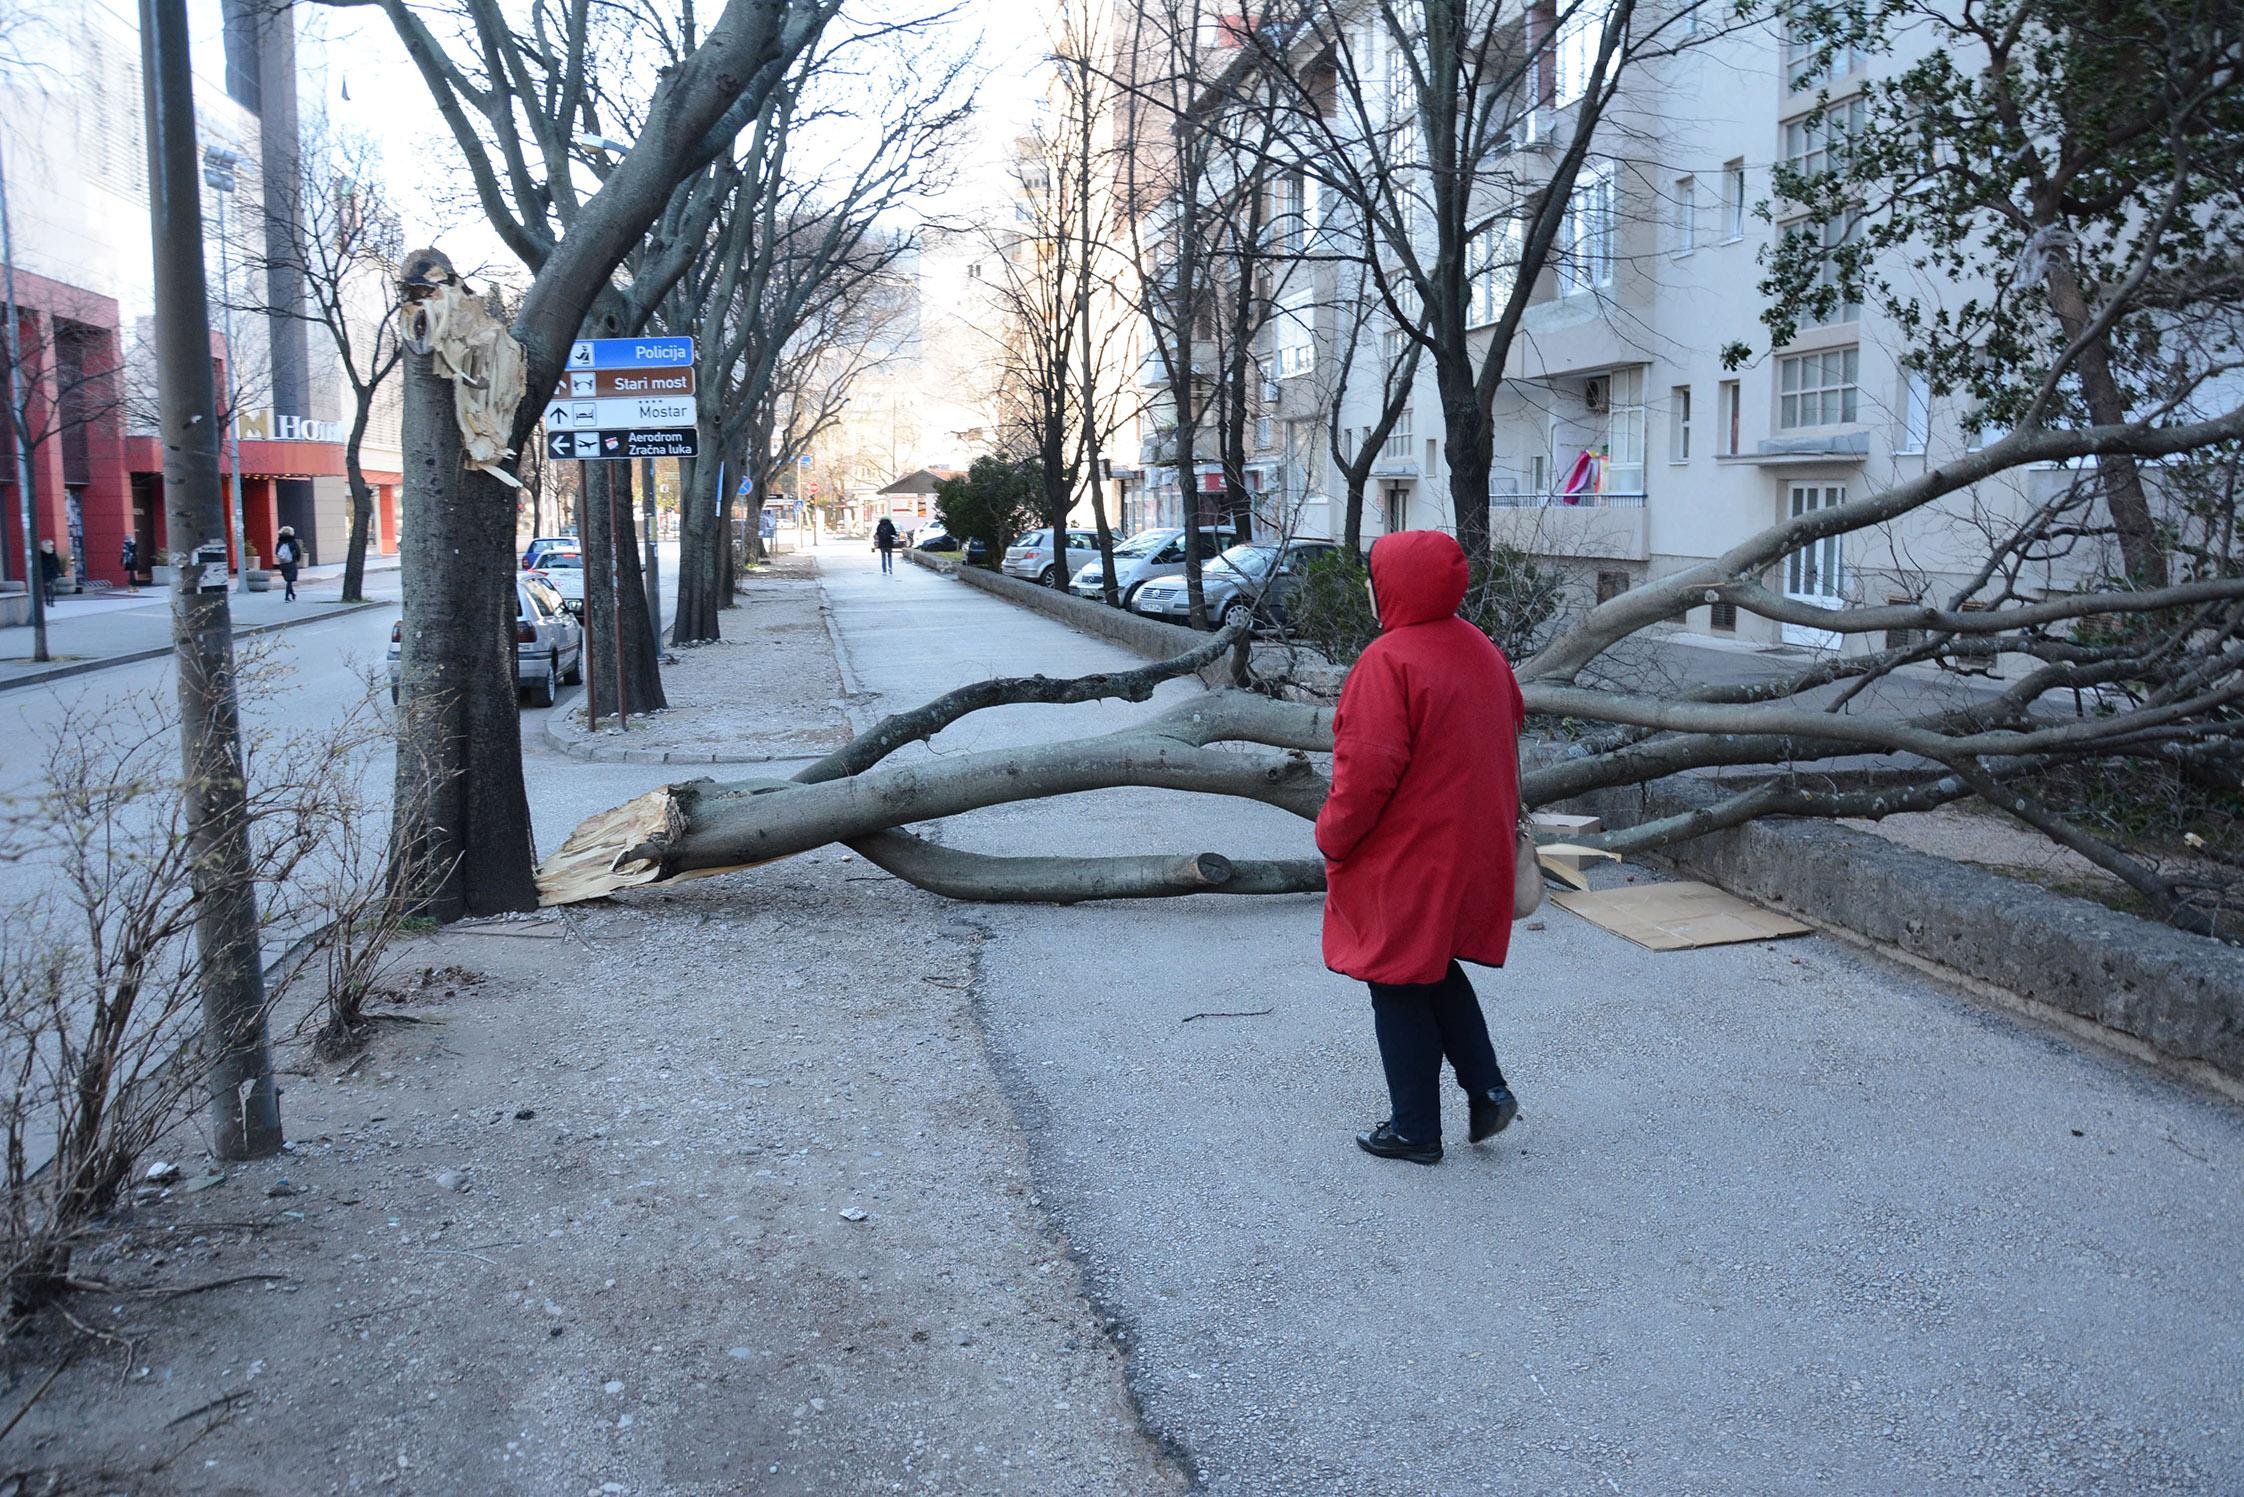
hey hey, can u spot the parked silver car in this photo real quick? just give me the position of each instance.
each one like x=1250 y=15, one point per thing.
x=1031 y=556
x=1257 y=578
x=548 y=643
x=562 y=569
x=1145 y=556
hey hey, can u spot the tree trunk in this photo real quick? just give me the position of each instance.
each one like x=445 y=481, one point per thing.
x=2141 y=550
x=693 y=617
x=460 y=838
x=611 y=578
x=362 y=502
x=1468 y=442
x=1352 y=524
x=244 y=1103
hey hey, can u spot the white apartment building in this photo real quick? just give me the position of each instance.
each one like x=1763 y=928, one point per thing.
x=1624 y=448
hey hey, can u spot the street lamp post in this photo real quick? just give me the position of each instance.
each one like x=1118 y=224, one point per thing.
x=34 y=586
x=219 y=165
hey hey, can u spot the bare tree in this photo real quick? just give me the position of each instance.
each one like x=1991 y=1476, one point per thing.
x=336 y=241
x=517 y=92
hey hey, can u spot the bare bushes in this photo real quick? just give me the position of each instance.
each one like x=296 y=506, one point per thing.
x=101 y=1040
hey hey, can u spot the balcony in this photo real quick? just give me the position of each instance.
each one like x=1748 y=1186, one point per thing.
x=1623 y=500
x=1597 y=526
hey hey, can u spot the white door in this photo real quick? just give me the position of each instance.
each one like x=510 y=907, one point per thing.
x=1816 y=573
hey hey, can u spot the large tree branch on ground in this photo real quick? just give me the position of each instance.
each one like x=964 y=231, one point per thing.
x=955 y=874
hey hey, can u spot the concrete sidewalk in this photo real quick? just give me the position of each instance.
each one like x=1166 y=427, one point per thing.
x=90 y=631
x=1778 y=1217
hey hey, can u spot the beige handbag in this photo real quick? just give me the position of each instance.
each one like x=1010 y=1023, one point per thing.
x=1527 y=875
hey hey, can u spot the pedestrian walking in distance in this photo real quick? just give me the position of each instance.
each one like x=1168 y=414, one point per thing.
x=288 y=555
x=1419 y=835
x=128 y=556
x=884 y=541
x=50 y=572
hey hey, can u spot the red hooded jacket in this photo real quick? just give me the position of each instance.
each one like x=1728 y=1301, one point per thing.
x=1419 y=831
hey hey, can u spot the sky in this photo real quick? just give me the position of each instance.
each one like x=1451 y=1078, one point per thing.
x=374 y=89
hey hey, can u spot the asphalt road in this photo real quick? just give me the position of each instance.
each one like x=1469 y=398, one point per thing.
x=1779 y=1217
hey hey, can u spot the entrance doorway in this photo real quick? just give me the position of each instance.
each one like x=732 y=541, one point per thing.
x=1816 y=573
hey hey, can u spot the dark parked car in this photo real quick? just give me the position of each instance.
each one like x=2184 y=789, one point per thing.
x=977 y=554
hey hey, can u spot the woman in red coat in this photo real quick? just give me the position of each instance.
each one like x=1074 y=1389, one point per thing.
x=1419 y=835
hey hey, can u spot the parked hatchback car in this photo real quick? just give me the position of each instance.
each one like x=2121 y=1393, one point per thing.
x=1145 y=556
x=1255 y=578
x=1031 y=555
x=562 y=569
x=548 y=643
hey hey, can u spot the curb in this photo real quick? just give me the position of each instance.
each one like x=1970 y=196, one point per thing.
x=2153 y=992
x=1140 y=636
x=134 y=657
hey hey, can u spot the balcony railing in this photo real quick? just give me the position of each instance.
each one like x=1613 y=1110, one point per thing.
x=1623 y=500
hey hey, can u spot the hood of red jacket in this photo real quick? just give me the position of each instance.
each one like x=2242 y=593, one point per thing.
x=1417 y=576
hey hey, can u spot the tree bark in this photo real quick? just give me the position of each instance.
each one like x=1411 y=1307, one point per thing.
x=461 y=841
x=693 y=617
x=611 y=578
x=244 y=1102
x=1468 y=444
x=2141 y=550
x=362 y=501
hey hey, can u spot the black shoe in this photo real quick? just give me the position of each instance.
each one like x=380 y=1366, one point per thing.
x=1492 y=1114
x=1385 y=1142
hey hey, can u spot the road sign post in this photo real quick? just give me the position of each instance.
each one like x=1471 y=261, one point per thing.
x=619 y=399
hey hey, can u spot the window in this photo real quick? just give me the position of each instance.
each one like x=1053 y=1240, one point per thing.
x=1580 y=36
x=1394 y=510
x=1611 y=585
x=1817 y=389
x=1801 y=66
x=1686 y=208
x=1264 y=431
x=1679 y=424
x=1624 y=448
x=1836 y=235
x=1817 y=570
x=1492 y=265
x=1585 y=261
x=1733 y=200
x=1813 y=142
x=1723 y=616
x=1398 y=440
x=1915 y=426
x=1297 y=349
x=1391 y=345
x=1539 y=474
x=1730 y=412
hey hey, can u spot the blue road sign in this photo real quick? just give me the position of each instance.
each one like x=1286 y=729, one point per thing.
x=629 y=353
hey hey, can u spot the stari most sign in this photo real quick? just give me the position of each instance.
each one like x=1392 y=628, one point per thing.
x=265 y=425
x=594 y=384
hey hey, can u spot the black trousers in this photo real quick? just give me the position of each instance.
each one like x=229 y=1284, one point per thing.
x=887 y=559
x=1418 y=1024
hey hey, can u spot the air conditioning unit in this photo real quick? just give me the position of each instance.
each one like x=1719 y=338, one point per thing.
x=1594 y=394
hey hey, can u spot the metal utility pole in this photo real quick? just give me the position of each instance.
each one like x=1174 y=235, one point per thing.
x=654 y=573
x=218 y=174
x=244 y=1103
x=34 y=585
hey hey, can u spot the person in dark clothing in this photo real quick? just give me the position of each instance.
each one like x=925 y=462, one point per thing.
x=128 y=556
x=884 y=541
x=288 y=555
x=1418 y=834
x=50 y=571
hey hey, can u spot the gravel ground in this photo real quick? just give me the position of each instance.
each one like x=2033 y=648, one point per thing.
x=708 y=1191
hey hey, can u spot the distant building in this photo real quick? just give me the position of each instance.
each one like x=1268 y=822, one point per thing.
x=78 y=196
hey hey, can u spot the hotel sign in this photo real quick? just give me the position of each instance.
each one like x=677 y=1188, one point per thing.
x=265 y=425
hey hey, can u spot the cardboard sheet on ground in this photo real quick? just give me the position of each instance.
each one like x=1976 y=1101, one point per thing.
x=1676 y=917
